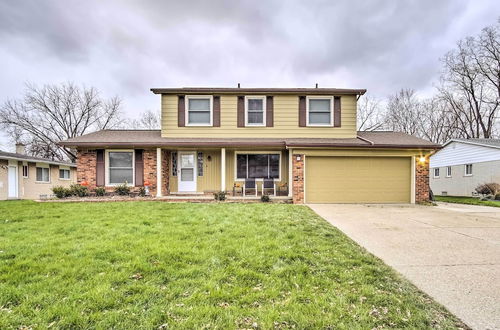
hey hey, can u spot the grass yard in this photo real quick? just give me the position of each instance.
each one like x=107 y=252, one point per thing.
x=157 y=265
x=466 y=200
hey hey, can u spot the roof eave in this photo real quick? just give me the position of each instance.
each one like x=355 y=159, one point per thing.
x=256 y=91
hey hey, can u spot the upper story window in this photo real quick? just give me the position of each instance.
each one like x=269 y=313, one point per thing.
x=319 y=111
x=255 y=111
x=436 y=172
x=199 y=110
x=120 y=167
x=42 y=173
x=468 y=169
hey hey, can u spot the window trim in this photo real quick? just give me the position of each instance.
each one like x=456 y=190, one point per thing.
x=25 y=164
x=448 y=173
x=186 y=109
x=319 y=97
x=42 y=165
x=465 y=170
x=236 y=153
x=106 y=167
x=67 y=168
x=434 y=172
x=264 y=110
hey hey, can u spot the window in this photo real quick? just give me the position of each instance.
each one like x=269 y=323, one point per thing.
x=436 y=172
x=42 y=174
x=64 y=173
x=448 y=171
x=120 y=167
x=255 y=110
x=25 y=171
x=199 y=110
x=468 y=169
x=258 y=166
x=319 y=111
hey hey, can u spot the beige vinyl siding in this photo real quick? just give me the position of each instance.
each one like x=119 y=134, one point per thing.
x=210 y=181
x=286 y=118
x=358 y=179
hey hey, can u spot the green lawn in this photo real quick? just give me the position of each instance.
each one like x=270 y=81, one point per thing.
x=156 y=265
x=466 y=200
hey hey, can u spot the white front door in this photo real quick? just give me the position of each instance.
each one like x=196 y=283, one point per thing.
x=13 y=184
x=187 y=172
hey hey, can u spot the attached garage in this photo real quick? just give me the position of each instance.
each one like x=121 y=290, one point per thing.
x=336 y=179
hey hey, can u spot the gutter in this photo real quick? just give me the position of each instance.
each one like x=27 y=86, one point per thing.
x=32 y=160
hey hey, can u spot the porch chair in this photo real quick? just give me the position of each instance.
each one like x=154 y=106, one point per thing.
x=269 y=184
x=249 y=184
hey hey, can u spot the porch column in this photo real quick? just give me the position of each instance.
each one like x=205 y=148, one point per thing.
x=223 y=169
x=290 y=172
x=158 y=172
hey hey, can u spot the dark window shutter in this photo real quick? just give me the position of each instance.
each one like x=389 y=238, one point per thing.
x=139 y=168
x=216 y=111
x=181 y=111
x=336 y=111
x=100 y=168
x=241 y=111
x=302 y=111
x=269 y=111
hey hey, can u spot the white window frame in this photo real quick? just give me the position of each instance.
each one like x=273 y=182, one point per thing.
x=256 y=97
x=465 y=170
x=256 y=153
x=106 y=167
x=25 y=164
x=331 y=110
x=186 y=109
x=434 y=172
x=448 y=171
x=42 y=165
x=66 y=168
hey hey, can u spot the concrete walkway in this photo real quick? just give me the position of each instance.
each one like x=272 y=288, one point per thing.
x=450 y=251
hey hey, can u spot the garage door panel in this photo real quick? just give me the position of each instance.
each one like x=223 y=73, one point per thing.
x=358 y=179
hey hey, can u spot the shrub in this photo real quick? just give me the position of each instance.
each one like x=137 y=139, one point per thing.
x=488 y=188
x=61 y=192
x=220 y=195
x=122 y=189
x=265 y=198
x=497 y=197
x=78 y=190
x=142 y=192
x=100 y=191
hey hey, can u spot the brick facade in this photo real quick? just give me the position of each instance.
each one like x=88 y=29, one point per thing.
x=298 y=178
x=87 y=162
x=421 y=180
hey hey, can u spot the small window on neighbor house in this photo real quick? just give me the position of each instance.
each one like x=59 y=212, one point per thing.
x=199 y=110
x=25 y=171
x=436 y=172
x=448 y=171
x=468 y=169
x=255 y=110
x=319 y=111
x=42 y=174
x=64 y=174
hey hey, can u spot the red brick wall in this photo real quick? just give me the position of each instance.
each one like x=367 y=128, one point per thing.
x=298 y=179
x=421 y=180
x=149 y=157
x=86 y=167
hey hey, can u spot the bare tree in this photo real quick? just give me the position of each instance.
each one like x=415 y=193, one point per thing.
x=403 y=112
x=470 y=83
x=148 y=120
x=370 y=116
x=49 y=114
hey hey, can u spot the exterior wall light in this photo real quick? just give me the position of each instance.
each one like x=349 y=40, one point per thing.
x=422 y=160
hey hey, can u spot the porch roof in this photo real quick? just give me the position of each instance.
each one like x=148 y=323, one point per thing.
x=152 y=138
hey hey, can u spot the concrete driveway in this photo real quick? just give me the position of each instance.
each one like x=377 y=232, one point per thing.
x=450 y=251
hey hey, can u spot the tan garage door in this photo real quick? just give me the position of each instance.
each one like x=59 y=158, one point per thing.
x=358 y=179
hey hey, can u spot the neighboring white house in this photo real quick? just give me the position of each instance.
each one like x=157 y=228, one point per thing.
x=463 y=164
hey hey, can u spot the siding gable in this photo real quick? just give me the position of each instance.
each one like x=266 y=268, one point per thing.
x=457 y=153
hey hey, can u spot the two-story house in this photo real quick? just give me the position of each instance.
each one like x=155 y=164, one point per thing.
x=303 y=139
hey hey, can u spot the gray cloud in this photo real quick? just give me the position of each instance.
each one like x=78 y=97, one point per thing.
x=125 y=47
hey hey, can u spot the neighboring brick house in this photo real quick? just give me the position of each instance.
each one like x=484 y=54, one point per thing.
x=304 y=140
x=26 y=177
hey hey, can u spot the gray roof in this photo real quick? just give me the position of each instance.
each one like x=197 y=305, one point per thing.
x=23 y=157
x=152 y=138
x=484 y=142
x=275 y=91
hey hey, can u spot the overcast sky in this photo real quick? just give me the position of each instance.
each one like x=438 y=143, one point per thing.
x=126 y=47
